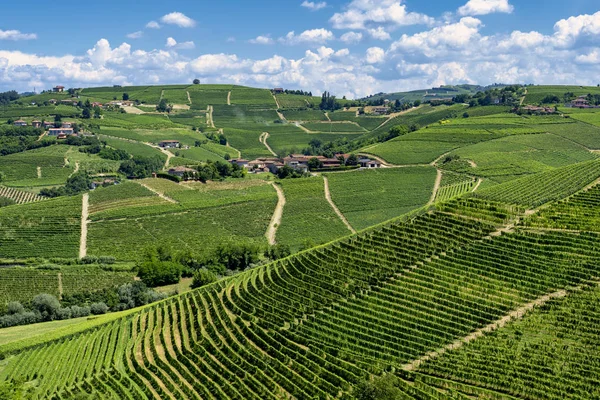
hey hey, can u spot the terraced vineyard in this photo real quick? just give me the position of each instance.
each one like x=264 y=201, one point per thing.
x=318 y=323
x=19 y=196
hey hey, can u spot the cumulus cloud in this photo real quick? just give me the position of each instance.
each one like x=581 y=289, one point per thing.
x=179 y=19
x=568 y=31
x=592 y=57
x=153 y=25
x=314 y=6
x=351 y=37
x=484 y=7
x=314 y=36
x=261 y=40
x=379 y=34
x=375 y=55
x=362 y=13
x=440 y=39
x=135 y=35
x=173 y=44
x=16 y=35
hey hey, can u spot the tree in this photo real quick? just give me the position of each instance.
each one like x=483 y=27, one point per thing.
x=158 y=273
x=164 y=106
x=466 y=115
x=314 y=163
x=203 y=277
x=86 y=114
x=47 y=305
x=352 y=160
x=196 y=81
x=417 y=103
x=97 y=112
x=278 y=251
x=125 y=96
x=98 y=308
x=380 y=388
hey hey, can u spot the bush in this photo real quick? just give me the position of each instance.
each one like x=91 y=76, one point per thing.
x=14 y=307
x=173 y=178
x=98 y=308
x=47 y=305
x=158 y=273
x=89 y=260
x=106 y=260
x=203 y=277
x=380 y=388
x=77 y=312
x=64 y=313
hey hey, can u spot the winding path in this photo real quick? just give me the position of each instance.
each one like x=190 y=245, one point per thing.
x=39 y=172
x=263 y=139
x=85 y=202
x=276 y=102
x=332 y=204
x=479 y=181
x=277 y=214
x=229 y=98
x=436 y=186
x=513 y=315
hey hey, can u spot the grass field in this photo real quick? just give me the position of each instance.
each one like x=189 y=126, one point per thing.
x=307 y=216
x=370 y=197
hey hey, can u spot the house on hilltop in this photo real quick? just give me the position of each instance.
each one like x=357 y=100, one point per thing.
x=379 y=110
x=20 y=122
x=48 y=124
x=180 y=171
x=277 y=90
x=169 y=144
x=240 y=162
x=60 y=132
x=580 y=102
x=36 y=124
x=58 y=89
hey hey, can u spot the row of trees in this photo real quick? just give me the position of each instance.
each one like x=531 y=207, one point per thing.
x=46 y=307
x=160 y=265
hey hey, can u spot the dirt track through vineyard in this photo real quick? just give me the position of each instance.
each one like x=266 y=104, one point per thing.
x=277 y=214
x=436 y=186
x=513 y=315
x=263 y=139
x=85 y=201
x=332 y=204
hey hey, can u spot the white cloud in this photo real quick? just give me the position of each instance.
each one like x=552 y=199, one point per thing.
x=135 y=35
x=484 y=7
x=440 y=39
x=379 y=34
x=314 y=6
x=261 y=40
x=314 y=36
x=375 y=55
x=153 y=25
x=16 y=35
x=216 y=64
x=173 y=44
x=179 y=19
x=592 y=57
x=362 y=13
x=568 y=31
x=351 y=37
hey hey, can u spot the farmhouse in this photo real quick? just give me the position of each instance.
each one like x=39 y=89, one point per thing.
x=20 y=122
x=48 y=124
x=331 y=163
x=180 y=171
x=60 y=131
x=379 y=110
x=264 y=165
x=580 y=102
x=278 y=90
x=170 y=144
x=58 y=89
x=52 y=101
x=36 y=124
x=67 y=124
x=240 y=162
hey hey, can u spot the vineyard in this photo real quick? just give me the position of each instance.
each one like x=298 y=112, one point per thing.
x=318 y=323
x=19 y=196
x=23 y=284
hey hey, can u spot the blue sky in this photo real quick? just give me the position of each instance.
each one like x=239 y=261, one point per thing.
x=349 y=47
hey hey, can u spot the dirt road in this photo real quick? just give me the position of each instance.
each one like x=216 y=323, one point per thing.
x=85 y=201
x=263 y=139
x=332 y=204
x=277 y=214
x=436 y=186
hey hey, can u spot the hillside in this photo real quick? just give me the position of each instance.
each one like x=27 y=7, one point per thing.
x=464 y=264
x=320 y=322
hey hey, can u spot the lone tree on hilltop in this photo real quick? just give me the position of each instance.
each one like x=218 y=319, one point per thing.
x=125 y=96
x=196 y=81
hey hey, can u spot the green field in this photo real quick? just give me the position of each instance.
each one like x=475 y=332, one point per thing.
x=473 y=273
x=373 y=196
x=307 y=216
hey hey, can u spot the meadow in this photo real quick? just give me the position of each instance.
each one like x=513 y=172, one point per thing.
x=370 y=197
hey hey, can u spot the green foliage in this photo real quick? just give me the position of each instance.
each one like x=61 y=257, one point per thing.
x=141 y=167
x=380 y=388
x=203 y=277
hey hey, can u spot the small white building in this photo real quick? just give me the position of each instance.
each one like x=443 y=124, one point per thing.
x=169 y=144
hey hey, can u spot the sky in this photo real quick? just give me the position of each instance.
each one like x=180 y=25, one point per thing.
x=350 y=48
